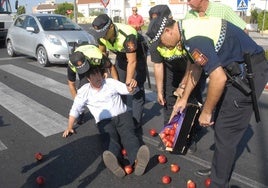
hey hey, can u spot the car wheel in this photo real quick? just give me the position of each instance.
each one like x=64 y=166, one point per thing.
x=42 y=56
x=10 y=50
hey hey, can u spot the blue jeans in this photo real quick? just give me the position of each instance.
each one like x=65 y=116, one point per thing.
x=117 y=133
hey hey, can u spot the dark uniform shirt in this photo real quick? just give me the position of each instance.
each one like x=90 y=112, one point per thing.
x=210 y=52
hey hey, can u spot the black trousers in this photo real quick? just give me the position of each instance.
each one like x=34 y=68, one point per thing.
x=234 y=113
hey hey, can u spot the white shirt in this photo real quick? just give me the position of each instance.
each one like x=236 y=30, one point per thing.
x=104 y=103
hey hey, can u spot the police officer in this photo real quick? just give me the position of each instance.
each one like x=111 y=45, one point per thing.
x=81 y=56
x=126 y=43
x=216 y=45
x=170 y=69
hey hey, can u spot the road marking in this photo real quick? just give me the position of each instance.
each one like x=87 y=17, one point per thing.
x=42 y=119
x=2 y=146
x=13 y=58
x=38 y=80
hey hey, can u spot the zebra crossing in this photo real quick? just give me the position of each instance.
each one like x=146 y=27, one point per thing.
x=23 y=107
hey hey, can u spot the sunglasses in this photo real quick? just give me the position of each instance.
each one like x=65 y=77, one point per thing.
x=134 y=10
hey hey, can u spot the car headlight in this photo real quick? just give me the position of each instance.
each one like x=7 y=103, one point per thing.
x=56 y=40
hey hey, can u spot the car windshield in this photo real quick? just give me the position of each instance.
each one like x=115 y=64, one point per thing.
x=54 y=23
x=5 y=7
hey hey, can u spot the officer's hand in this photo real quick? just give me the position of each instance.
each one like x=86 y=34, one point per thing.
x=205 y=119
x=160 y=99
x=180 y=105
x=132 y=83
x=67 y=132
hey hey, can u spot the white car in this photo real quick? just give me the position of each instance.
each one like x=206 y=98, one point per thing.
x=50 y=38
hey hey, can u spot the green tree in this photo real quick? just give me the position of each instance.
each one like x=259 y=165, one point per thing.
x=261 y=21
x=63 y=7
x=21 y=10
x=254 y=16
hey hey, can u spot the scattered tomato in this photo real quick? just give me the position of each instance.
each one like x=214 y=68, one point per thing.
x=38 y=156
x=153 y=132
x=40 y=180
x=174 y=168
x=162 y=159
x=128 y=169
x=124 y=152
x=207 y=182
x=190 y=184
x=166 y=179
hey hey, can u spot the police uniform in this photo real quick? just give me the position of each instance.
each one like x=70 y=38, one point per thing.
x=175 y=63
x=127 y=41
x=90 y=52
x=217 y=43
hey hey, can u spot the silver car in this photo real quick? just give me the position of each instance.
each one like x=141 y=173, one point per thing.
x=50 y=38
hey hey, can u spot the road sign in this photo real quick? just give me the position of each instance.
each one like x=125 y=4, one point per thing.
x=105 y=2
x=242 y=5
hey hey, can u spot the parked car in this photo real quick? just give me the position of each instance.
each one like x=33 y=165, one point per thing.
x=50 y=38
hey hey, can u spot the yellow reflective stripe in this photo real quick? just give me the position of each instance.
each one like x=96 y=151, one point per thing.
x=118 y=44
x=90 y=51
x=168 y=53
x=72 y=67
x=207 y=26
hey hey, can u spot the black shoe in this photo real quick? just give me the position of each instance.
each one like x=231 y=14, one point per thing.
x=204 y=172
x=192 y=149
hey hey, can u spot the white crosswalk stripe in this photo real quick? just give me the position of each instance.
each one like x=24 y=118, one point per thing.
x=46 y=121
x=39 y=80
x=2 y=146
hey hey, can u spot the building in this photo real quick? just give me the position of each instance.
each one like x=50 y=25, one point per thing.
x=48 y=7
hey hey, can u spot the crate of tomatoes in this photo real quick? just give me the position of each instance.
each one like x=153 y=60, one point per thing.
x=177 y=134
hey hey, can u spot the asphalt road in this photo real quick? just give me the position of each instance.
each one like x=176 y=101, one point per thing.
x=34 y=106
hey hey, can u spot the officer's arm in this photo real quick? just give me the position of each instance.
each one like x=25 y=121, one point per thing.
x=131 y=66
x=194 y=73
x=159 y=76
x=217 y=80
x=72 y=88
x=114 y=72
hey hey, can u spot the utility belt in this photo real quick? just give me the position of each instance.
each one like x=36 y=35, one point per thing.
x=241 y=75
x=236 y=73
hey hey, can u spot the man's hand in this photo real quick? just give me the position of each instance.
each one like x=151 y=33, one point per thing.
x=205 y=119
x=67 y=132
x=180 y=105
x=132 y=83
x=160 y=98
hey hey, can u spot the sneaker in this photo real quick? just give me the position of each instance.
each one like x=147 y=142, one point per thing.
x=143 y=157
x=112 y=164
x=204 y=172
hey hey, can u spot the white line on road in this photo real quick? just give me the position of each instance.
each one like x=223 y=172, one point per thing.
x=44 y=120
x=38 y=80
x=2 y=146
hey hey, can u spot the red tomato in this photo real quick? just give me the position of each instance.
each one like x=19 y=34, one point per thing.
x=128 y=169
x=174 y=168
x=162 y=159
x=166 y=179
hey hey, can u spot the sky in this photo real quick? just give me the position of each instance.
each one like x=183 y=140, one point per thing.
x=31 y=3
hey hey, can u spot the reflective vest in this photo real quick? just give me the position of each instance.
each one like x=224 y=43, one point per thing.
x=123 y=31
x=90 y=51
x=171 y=54
x=210 y=27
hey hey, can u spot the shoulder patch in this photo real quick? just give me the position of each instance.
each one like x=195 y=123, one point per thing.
x=130 y=46
x=199 y=58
